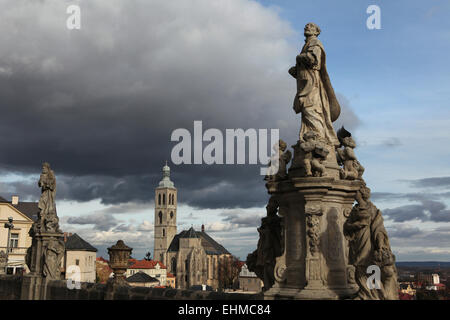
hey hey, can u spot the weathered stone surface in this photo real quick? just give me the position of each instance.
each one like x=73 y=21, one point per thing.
x=47 y=249
x=369 y=246
x=278 y=164
x=315 y=98
x=309 y=208
x=2 y=261
x=118 y=262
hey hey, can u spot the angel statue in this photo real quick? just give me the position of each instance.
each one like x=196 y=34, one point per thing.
x=346 y=157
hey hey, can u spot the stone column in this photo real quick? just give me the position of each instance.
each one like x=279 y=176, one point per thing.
x=314 y=263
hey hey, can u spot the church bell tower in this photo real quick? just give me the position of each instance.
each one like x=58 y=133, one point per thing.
x=165 y=216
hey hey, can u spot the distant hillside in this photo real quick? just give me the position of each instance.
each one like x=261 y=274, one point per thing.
x=423 y=264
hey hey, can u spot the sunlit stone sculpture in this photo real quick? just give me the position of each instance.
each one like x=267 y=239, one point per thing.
x=314 y=202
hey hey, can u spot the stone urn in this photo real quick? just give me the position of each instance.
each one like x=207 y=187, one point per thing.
x=118 y=260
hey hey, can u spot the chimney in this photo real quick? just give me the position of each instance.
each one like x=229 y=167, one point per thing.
x=203 y=228
x=66 y=235
x=15 y=200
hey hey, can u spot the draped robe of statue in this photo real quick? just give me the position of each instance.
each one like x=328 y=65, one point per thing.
x=315 y=97
x=369 y=245
x=49 y=219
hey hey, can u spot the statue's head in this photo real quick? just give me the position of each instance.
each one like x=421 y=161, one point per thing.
x=45 y=167
x=311 y=29
x=348 y=142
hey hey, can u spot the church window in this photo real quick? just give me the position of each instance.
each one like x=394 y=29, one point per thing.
x=159 y=199
x=164 y=199
x=160 y=217
x=164 y=232
x=171 y=214
x=174 y=265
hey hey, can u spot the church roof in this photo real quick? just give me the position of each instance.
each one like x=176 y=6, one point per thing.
x=209 y=244
x=190 y=234
x=76 y=243
x=141 y=277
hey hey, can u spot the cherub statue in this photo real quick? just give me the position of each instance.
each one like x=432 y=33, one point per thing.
x=278 y=163
x=315 y=153
x=346 y=157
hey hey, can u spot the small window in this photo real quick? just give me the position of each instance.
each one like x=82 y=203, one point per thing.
x=160 y=217
x=159 y=199
x=164 y=199
x=171 y=214
x=164 y=232
x=14 y=240
x=77 y=262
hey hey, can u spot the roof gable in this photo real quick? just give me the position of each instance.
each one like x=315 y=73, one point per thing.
x=76 y=243
x=141 y=277
x=209 y=244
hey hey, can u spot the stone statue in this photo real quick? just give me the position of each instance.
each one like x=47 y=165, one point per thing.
x=47 y=220
x=314 y=153
x=315 y=98
x=53 y=253
x=270 y=246
x=278 y=164
x=346 y=157
x=369 y=245
x=2 y=262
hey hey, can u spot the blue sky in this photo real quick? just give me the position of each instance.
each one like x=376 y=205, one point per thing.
x=394 y=83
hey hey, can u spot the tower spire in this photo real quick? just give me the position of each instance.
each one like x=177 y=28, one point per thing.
x=166 y=182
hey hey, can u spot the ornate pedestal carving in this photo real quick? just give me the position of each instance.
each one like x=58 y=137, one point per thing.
x=314 y=263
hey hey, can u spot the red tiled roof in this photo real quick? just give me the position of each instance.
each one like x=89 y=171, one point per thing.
x=169 y=275
x=101 y=259
x=144 y=264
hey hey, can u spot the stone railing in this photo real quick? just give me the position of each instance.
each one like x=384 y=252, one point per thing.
x=11 y=289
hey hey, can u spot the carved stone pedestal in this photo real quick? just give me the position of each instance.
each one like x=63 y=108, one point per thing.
x=44 y=259
x=314 y=264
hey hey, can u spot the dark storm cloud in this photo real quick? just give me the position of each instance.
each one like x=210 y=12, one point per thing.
x=101 y=222
x=100 y=103
x=428 y=210
x=386 y=196
x=431 y=182
x=242 y=220
x=402 y=231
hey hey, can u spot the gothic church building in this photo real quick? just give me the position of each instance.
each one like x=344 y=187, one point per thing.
x=191 y=256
